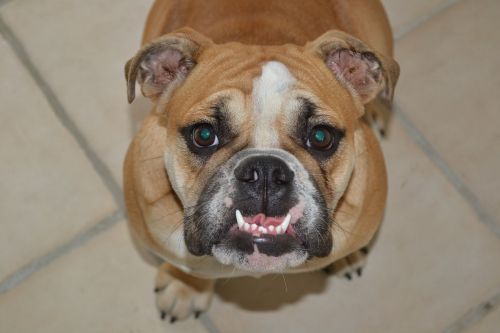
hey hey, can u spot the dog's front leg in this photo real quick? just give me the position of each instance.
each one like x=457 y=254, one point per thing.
x=350 y=265
x=179 y=294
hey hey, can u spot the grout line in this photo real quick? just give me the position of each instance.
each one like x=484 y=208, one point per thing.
x=478 y=312
x=208 y=324
x=474 y=315
x=426 y=146
x=438 y=9
x=61 y=113
x=80 y=239
x=452 y=177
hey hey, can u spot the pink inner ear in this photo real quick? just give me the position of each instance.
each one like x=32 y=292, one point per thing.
x=161 y=68
x=362 y=72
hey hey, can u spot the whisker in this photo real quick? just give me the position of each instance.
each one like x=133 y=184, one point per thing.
x=284 y=281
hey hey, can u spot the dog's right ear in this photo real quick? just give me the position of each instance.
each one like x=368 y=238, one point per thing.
x=164 y=63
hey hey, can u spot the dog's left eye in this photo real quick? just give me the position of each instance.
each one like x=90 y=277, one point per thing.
x=204 y=136
x=320 y=138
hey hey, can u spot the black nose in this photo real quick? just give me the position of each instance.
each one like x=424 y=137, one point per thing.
x=266 y=178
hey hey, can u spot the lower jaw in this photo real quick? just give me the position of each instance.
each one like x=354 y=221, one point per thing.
x=259 y=262
x=267 y=244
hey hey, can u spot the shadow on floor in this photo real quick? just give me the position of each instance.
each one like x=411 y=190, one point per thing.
x=271 y=292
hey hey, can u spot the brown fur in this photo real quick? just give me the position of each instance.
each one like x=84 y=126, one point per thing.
x=285 y=27
x=264 y=22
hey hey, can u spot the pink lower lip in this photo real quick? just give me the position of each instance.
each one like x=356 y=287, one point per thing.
x=263 y=220
x=271 y=224
x=260 y=224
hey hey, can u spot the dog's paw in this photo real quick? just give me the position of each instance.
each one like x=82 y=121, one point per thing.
x=349 y=266
x=178 y=295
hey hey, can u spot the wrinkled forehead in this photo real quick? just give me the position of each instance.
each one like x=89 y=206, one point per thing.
x=265 y=82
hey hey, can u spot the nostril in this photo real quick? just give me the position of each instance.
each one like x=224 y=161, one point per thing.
x=247 y=175
x=255 y=176
x=278 y=177
x=266 y=170
x=282 y=177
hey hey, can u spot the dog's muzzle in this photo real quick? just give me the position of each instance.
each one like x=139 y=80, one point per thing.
x=260 y=205
x=264 y=191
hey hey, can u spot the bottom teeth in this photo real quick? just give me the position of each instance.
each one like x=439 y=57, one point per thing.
x=280 y=229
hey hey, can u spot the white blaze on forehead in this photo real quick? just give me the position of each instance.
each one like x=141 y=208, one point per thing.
x=269 y=92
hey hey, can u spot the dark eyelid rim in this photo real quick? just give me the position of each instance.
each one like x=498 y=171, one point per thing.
x=217 y=119
x=309 y=119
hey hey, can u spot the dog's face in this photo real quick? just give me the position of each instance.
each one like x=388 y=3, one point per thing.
x=260 y=140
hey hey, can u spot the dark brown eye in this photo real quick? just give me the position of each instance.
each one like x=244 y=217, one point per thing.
x=320 y=138
x=204 y=136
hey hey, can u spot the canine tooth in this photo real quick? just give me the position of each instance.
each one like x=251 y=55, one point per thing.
x=254 y=227
x=239 y=219
x=246 y=226
x=286 y=222
x=271 y=228
x=279 y=230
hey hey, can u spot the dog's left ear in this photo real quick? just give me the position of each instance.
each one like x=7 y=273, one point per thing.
x=358 y=67
x=164 y=63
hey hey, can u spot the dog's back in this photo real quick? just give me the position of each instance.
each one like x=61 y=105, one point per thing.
x=264 y=22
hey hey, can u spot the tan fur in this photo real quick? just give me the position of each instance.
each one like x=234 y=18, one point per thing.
x=287 y=28
x=264 y=22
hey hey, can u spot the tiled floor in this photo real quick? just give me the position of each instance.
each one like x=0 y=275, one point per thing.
x=67 y=265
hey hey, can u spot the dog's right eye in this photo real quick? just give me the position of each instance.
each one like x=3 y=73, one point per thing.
x=204 y=135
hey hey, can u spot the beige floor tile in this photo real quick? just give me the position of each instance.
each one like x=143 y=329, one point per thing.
x=81 y=47
x=102 y=287
x=433 y=261
x=48 y=190
x=489 y=324
x=404 y=14
x=450 y=78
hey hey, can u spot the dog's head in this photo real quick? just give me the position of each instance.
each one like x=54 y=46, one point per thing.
x=260 y=139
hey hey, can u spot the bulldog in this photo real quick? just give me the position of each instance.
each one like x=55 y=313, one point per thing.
x=260 y=154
